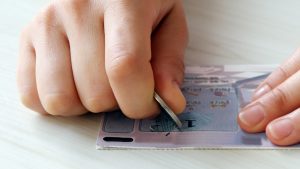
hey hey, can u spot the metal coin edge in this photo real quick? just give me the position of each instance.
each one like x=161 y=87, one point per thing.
x=163 y=104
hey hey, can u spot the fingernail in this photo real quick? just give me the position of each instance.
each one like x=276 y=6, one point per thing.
x=281 y=129
x=252 y=115
x=261 y=91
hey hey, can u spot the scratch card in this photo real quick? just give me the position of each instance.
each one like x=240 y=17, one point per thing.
x=215 y=95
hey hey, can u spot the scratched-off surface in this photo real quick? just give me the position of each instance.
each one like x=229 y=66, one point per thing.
x=214 y=95
x=208 y=108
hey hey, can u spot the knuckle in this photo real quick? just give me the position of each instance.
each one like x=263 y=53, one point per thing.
x=146 y=10
x=76 y=10
x=116 y=4
x=98 y=104
x=58 y=104
x=47 y=20
x=280 y=97
x=76 y=5
x=284 y=72
x=121 y=65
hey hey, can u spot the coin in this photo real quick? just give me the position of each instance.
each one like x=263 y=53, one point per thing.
x=168 y=110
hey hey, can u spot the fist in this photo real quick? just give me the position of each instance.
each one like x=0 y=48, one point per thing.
x=98 y=55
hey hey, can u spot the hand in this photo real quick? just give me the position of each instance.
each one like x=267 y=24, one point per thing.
x=275 y=106
x=97 y=55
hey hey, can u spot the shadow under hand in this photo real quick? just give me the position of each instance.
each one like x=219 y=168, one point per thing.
x=65 y=131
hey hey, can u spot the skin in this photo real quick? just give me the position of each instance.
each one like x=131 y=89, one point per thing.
x=275 y=105
x=99 y=55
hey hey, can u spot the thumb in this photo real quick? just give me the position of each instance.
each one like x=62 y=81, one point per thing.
x=169 y=41
x=168 y=75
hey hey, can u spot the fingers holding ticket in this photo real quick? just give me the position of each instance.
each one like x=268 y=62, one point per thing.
x=275 y=105
x=79 y=56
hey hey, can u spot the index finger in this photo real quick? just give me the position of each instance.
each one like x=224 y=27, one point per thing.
x=284 y=71
x=127 y=59
x=280 y=101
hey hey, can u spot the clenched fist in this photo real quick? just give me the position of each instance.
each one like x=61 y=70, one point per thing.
x=98 y=55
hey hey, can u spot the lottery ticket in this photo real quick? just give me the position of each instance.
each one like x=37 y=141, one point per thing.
x=214 y=95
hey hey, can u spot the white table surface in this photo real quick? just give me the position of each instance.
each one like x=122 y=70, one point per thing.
x=221 y=32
